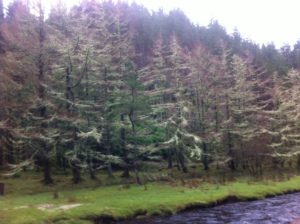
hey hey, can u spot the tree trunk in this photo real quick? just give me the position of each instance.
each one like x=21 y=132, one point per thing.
x=2 y=188
x=1 y=158
x=108 y=150
x=216 y=114
x=76 y=175
x=177 y=161
x=232 y=164
x=90 y=168
x=182 y=164
x=108 y=144
x=64 y=165
x=92 y=174
x=125 y=173
x=131 y=118
x=137 y=176
x=205 y=157
x=298 y=161
x=170 y=161
x=47 y=171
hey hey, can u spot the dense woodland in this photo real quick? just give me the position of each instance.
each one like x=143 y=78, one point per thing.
x=111 y=86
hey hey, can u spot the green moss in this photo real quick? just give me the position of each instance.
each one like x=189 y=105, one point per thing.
x=119 y=202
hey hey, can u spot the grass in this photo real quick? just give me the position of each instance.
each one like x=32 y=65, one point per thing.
x=24 y=194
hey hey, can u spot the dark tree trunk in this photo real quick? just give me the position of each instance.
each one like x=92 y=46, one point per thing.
x=205 y=157
x=298 y=161
x=108 y=143
x=108 y=150
x=216 y=114
x=92 y=174
x=1 y=158
x=170 y=161
x=91 y=169
x=2 y=188
x=76 y=175
x=131 y=118
x=177 y=161
x=64 y=165
x=181 y=161
x=137 y=176
x=47 y=171
x=232 y=164
x=203 y=130
x=125 y=173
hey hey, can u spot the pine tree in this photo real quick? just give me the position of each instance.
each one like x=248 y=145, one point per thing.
x=285 y=119
x=206 y=96
x=132 y=104
x=184 y=144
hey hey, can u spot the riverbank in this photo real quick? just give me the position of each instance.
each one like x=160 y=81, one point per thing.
x=90 y=203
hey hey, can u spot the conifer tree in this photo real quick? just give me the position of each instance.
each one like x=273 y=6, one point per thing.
x=206 y=97
x=285 y=119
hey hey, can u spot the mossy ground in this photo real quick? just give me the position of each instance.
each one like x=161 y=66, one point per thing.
x=120 y=200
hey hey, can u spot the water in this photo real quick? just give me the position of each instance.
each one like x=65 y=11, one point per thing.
x=279 y=210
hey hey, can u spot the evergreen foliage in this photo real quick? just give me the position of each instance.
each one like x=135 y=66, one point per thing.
x=111 y=86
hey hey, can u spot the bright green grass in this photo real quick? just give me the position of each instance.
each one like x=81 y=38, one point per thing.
x=121 y=203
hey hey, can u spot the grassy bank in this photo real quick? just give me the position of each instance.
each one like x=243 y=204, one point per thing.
x=84 y=203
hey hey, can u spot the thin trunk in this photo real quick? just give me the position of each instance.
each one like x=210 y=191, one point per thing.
x=204 y=156
x=76 y=175
x=216 y=114
x=47 y=171
x=64 y=165
x=204 y=144
x=108 y=143
x=182 y=162
x=126 y=173
x=1 y=157
x=177 y=160
x=170 y=161
x=231 y=164
x=90 y=167
x=135 y=149
x=2 y=189
x=69 y=106
x=69 y=93
x=108 y=151
x=92 y=172
x=75 y=168
x=136 y=171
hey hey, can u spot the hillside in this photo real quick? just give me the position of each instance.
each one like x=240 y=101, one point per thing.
x=111 y=88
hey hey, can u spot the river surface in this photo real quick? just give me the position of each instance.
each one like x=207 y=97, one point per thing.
x=279 y=210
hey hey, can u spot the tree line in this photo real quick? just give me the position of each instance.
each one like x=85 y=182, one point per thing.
x=111 y=86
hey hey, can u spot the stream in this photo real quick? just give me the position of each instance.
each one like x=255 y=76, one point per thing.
x=279 y=210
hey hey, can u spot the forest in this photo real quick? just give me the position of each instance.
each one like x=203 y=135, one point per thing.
x=108 y=91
